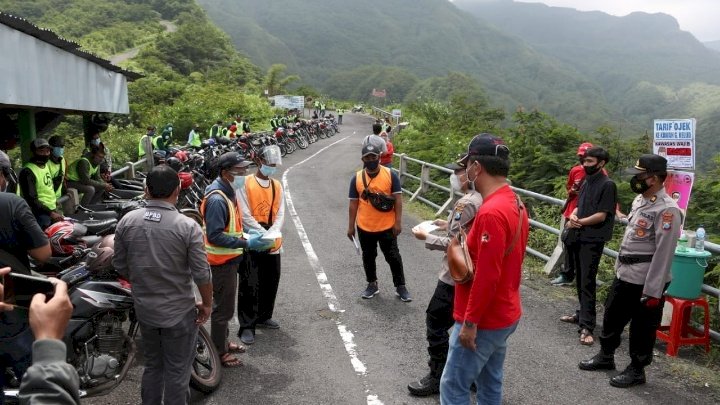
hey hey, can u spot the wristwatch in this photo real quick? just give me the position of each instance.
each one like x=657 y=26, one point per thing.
x=469 y=324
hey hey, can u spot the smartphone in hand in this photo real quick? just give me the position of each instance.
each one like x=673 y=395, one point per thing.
x=20 y=288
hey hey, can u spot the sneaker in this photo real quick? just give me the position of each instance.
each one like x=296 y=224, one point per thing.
x=371 y=290
x=403 y=293
x=560 y=281
x=247 y=336
x=428 y=385
x=269 y=323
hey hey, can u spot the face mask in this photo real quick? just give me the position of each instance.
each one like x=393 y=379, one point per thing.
x=638 y=186
x=42 y=159
x=267 y=171
x=590 y=170
x=58 y=151
x=96 y=141
x=455 y=182
x=238 y=182
x=372 y=165
x=471 y=183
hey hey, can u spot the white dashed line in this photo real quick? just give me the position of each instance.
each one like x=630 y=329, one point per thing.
x=347 y=336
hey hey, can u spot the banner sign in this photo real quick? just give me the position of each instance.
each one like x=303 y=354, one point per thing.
x=678 y=185
x=378 y=93
x=290 y=102
x=674 y=140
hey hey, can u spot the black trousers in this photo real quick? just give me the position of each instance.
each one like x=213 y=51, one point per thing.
x=389 y=248
x=622 y=307
x=584 y=258
x=438 y=319
x=257 y=289
x=568 y=271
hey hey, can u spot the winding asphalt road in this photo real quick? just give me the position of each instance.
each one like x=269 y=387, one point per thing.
x=336 y=348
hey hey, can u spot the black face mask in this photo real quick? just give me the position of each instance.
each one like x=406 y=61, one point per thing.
x=42 y=159
x=638 y=186
x=371 y=165
x=590 y=170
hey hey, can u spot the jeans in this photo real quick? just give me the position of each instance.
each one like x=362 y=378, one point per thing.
x=584 y=258
x=389 y=247
x=169 y=353
x=224 y=280
x=257 y=289
x=484 y=367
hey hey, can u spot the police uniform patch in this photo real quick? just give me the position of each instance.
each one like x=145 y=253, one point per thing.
x=642 y=222
x=153 y=216
x=667 y=218
x=640 y=232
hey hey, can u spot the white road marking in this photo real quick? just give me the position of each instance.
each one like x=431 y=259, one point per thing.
x=345 y=334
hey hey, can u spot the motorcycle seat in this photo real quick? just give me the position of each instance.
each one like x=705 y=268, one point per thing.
x=95 y=226
x=91 y=240
x=85 y=216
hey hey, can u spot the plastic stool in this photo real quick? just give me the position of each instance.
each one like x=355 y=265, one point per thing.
x=679 y=332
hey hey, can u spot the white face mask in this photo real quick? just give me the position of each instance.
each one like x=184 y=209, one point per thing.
x=455 y=182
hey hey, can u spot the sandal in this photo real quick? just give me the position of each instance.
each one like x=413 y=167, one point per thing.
x=236 y=348
x=586 y=338
x=230 y=361
x=569 y=318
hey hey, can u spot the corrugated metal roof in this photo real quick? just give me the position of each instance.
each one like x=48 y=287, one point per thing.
x=45 y=35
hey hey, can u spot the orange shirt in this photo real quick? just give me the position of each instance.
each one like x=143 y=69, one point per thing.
x=368 y=218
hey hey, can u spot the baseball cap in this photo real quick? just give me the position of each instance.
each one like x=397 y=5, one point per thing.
x=485 y=145
x=583 y=148
x=39 y=143
x=57 y=140
x=649 y=163
x=4 y=161
x=370 y=149
x=454 y=166
x=232 y=159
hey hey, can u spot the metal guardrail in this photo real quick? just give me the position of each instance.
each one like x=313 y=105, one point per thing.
x=424 y=178
x=129 y=169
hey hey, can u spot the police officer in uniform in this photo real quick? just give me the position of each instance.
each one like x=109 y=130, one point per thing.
x=439 y=312
x=642 y=274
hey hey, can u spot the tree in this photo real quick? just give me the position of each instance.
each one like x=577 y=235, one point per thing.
x=274 y=81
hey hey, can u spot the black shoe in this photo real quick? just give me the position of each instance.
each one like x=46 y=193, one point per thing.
x=403 y=293
x=598 y=362
x=631 y=376
x=428 y=385
x=371 y=290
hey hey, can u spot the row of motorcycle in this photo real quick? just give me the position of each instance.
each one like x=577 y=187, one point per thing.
x=103 y=328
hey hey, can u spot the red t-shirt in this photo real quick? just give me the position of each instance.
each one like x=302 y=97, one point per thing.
x=386 y=158
x=575 y=177
x=492 y=299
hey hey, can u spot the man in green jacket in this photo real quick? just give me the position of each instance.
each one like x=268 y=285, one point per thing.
x=36 y=185
x=84 y=176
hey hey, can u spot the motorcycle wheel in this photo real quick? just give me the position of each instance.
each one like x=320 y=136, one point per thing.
x=302 y=142
x=206 y=371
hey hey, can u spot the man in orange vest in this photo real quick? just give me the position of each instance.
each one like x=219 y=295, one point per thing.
x=376 y=208
x=263 y=207
x=224 y=243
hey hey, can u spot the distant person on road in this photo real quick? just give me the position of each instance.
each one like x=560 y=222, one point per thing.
x=487 y=309
x=376 y=208
x=589 y=227
x=263 y=208
x=322 y=109
x=642 y=274
x=387 y=157
x=439 y=312
x=162 y=280
x=375 y=139
x=573 y=185
x=340 y=112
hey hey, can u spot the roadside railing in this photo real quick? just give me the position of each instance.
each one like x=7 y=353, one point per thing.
x=423 y=179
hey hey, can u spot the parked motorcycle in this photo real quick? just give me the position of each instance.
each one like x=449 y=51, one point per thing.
x=358 y=108
x=101 y=333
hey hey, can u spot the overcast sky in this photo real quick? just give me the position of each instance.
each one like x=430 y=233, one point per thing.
x=700 y=17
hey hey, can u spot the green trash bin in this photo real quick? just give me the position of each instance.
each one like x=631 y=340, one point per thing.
x=688 y=270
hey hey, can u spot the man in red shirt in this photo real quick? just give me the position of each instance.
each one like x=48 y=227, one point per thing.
x=386 y=157
x=574 y=181
x=487 y=309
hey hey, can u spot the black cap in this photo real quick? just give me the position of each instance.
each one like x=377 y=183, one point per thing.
x=232 y=159
x=57 y=141
x=38 y=143
x=454 y=166
x=485 y=145
x=370 y=149
x=648 y=163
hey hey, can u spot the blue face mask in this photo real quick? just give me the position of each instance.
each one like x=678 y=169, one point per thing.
x=58 y=151
x=238 y=182
x=96 y=141
x=267 y=171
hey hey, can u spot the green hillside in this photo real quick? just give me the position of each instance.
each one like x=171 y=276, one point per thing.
x=339 y=45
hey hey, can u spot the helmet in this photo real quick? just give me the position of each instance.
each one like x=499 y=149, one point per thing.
x=182 y=155
x=186 y=180
x=583 y=148
x=175 y=163
x=64 y=237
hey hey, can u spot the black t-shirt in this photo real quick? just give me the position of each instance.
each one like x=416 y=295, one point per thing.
x=598 y=194
x=19 y=231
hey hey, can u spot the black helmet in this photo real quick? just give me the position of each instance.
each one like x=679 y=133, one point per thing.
x=175 y=163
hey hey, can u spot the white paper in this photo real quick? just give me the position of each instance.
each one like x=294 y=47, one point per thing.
x=271 y=235
x=426 y=226
x=356 y=242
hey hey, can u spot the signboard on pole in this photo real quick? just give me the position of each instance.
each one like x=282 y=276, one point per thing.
x=290 y=102
x=674 y=139
x=397 y=113
x=678 y=184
